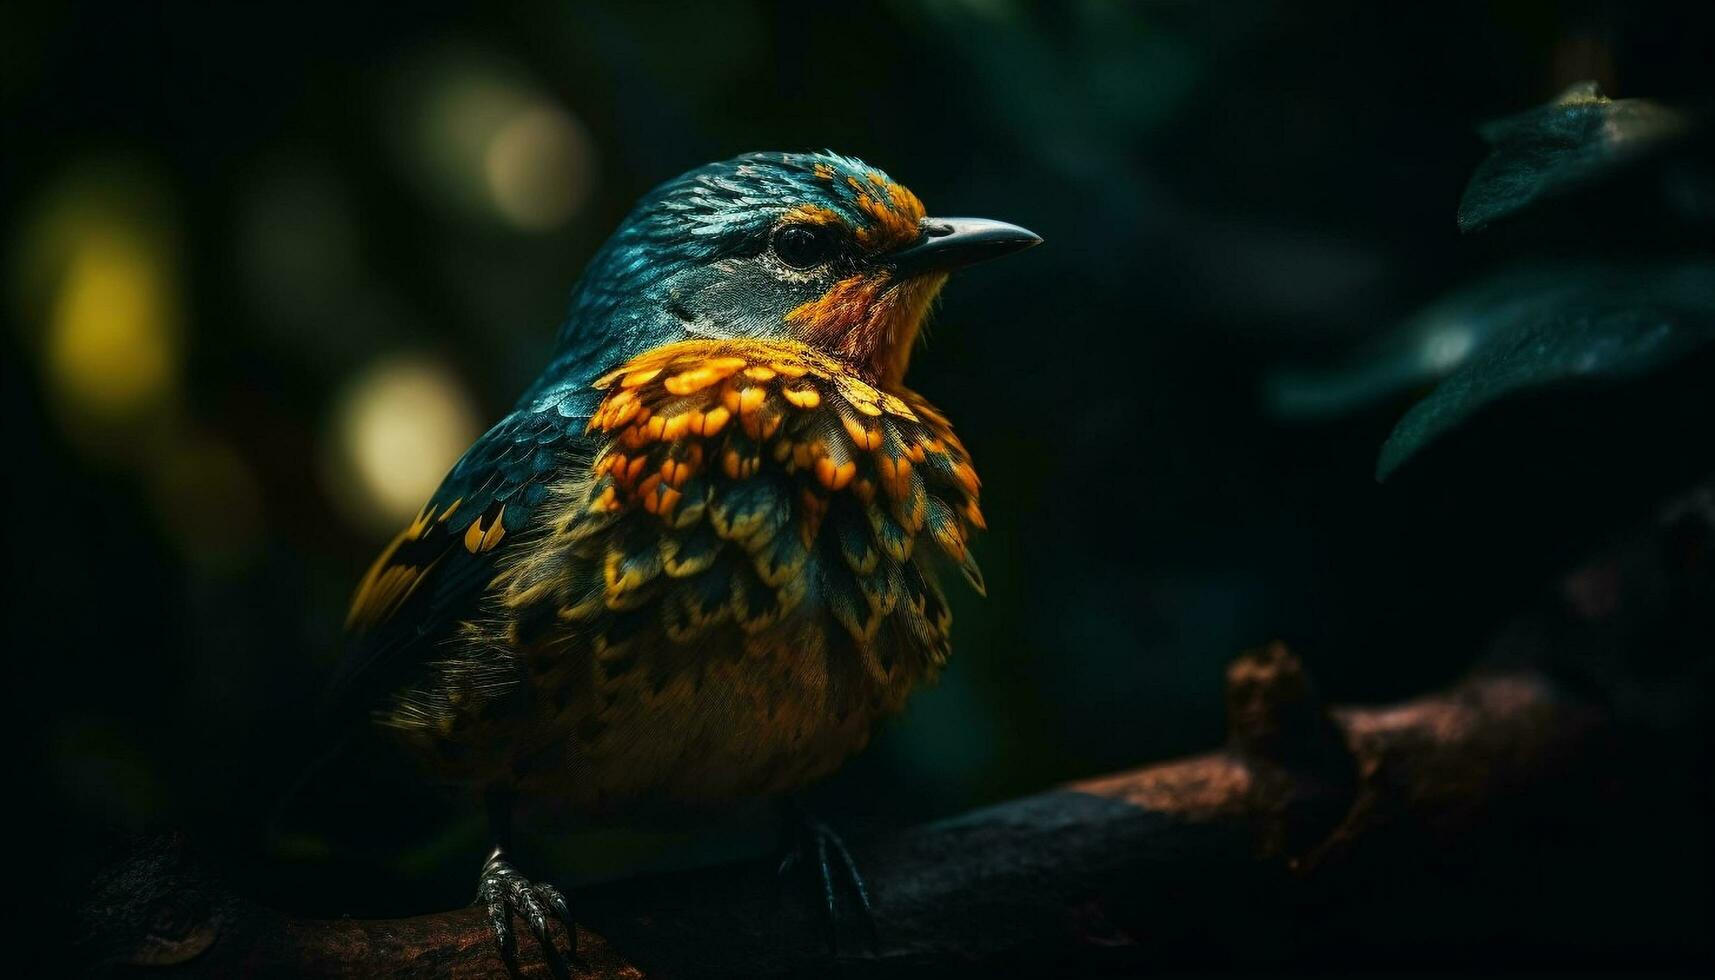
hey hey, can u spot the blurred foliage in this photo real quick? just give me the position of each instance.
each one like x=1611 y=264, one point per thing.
x=1576 y=140
x=270 y=237
x=1427 y=347
x=1539 y=326
x=1578 y=325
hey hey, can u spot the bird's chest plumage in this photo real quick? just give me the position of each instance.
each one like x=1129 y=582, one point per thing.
x=725 y=600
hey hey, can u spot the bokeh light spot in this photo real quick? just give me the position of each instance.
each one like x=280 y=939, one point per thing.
x=1447 y=347
x=535 y=165
x=96 y=288
x=397 y=430
x=492 y=145
x=111 y=348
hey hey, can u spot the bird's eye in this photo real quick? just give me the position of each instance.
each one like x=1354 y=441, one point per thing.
x=802 y=246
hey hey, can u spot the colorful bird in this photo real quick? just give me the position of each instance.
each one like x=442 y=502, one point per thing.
x=699 y=558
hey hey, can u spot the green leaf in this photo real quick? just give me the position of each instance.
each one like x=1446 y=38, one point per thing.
x=1609 y=324
x=1428 y=346
x=1573 y=141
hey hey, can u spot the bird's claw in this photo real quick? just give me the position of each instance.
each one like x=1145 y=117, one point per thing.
x=504 y=891
x=817 y=845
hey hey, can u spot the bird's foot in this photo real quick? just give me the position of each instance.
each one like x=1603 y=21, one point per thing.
x=815 y=847
x=504 y=891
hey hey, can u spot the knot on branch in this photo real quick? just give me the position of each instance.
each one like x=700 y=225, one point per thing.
x=1275 y=715
x=1305 y=775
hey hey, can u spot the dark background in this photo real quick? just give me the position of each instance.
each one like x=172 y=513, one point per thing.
x=269 y=268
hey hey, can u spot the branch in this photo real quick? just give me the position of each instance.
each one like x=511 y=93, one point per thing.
x=1147 y=866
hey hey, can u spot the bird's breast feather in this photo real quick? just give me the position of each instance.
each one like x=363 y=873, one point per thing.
x=740 y=481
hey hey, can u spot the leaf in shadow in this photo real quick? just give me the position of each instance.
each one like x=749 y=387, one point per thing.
x=1577 y=139
x=1428 y=346
x=1615 y=324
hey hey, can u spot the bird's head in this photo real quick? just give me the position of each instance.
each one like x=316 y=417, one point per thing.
x=815 y=247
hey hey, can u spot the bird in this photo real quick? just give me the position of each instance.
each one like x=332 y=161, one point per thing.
x=702 y=555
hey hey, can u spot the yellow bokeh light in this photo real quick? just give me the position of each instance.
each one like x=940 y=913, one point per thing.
x=537 y=167
x=397 y=430
x=96 y=284
x=111 y=348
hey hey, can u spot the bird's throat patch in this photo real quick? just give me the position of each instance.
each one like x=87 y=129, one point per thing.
x=870 y=320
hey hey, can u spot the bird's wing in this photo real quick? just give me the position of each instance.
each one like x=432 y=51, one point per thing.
x=434 y=573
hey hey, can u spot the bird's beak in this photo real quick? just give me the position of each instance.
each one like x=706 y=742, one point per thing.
x=948 y=243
